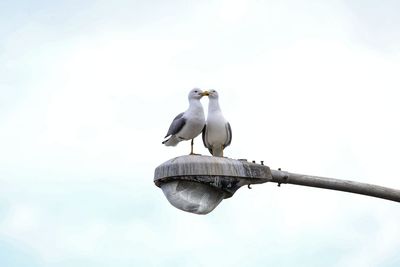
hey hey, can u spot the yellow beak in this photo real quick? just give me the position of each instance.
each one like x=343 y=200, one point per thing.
x=205 y=93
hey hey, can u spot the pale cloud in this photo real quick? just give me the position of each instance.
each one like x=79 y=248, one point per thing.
x=233 y=11
x=81 y=139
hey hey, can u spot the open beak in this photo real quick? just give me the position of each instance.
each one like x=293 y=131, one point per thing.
x=205 y=93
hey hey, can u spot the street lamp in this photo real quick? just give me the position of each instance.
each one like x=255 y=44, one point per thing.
x=197 y=184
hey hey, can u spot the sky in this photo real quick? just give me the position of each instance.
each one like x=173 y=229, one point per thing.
x=88 y=90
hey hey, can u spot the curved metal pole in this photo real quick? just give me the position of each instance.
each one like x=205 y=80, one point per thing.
x=282 y=177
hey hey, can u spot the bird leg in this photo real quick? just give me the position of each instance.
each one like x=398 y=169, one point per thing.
x=218 y=151
x=191 y=148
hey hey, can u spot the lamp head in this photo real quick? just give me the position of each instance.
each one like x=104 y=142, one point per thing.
x=197 y=184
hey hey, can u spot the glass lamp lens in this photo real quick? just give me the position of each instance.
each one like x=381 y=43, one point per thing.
x=192 y=196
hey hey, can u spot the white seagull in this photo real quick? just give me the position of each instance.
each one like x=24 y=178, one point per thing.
x=189 y=124
x=217 y=134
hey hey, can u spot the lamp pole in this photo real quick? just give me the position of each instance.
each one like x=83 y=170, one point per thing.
x=282 y=177
x=198 y=183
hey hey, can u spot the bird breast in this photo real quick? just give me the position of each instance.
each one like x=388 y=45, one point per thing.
x=193 y=126
x=216 y=130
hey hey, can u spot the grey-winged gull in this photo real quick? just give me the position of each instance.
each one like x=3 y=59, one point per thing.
x=217 y=134
x=189 y=124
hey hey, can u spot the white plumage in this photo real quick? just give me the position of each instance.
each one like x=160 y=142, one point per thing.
x=189 y=124
x=217 y=134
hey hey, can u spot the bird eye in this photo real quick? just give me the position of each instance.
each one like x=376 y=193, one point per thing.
x=195 y=91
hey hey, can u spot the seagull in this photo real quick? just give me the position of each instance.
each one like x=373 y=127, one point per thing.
x=189 y=124
x=217 y=134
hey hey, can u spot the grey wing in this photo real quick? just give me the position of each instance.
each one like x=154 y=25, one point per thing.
x=204 y=137
x=228 y=134
x=176 y=125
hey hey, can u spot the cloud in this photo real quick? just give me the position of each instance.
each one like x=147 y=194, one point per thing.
x=13 y=254
x=83 y=134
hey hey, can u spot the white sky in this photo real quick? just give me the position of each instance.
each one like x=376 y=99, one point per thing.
x=88 y=90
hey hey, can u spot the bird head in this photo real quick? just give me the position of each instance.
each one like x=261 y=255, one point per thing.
x=211 y=93
x=196 y=93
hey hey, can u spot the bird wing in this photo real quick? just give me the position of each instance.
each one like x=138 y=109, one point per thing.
x=176 y=125
x=228 y=134
x=204 y=135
